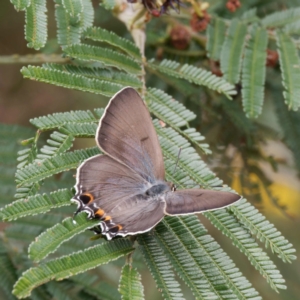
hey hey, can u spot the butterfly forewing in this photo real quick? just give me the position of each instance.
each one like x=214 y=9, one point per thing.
x=191 y=201
x=127 y=134
x=112 y=192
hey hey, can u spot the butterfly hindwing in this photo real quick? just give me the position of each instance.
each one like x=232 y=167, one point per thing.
x=112 y=192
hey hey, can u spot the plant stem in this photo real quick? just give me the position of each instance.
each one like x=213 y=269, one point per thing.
x=32 y=59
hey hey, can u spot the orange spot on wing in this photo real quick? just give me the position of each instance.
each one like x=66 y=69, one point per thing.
x=107 y=218
x=99 y=213
x=86 y=198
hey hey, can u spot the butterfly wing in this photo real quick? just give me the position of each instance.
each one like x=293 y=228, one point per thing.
x=127 y=134
x=112 y=192
x=191 y=201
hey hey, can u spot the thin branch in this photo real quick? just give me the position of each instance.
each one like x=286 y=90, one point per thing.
x=32 y=59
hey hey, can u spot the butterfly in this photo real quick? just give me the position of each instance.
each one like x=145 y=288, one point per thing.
x=125 y=187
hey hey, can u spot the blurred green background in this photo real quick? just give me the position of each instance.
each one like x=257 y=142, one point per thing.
x=22 y=99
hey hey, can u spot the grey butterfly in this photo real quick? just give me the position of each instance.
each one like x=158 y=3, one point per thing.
x=125 y=188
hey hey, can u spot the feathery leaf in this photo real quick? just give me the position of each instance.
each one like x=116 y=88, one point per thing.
x=232 y=50
x=168 y=109
x=38 y=171
x=36 y=24
x=8 y=273
x=159 y=267
x=36 y=204
x=196 y=75
x=70 y=265
x=68 y=28
x=53 y=237
x=264 y=230
x=290 y=70
x=101 y=290
x=243 y=240
x=254 y=72
x=59 y=119
x=20 y=4
x=215 y=263
x=73 y=7
x=288 y=119
x=281 y=18
x=176 y=245
x=104 y=56
x=71 y=81
x=101 y=35
x=292 y=28
x=130 y=286
x=80 y=130
x=216 y=33
x=113 y=76
x=58 y=143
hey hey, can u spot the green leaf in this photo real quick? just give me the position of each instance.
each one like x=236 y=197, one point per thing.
x=70 y=265
x=53 y=237
x=80 y=130
x=28 y=155
x=104 y=56
x=113 y=76
x=130 y=286
x=195 y=137
x=36 y=24
x=101 y=290
x=37 y=171
x=63 y=290
x=254 y=72
x=281 y=18
x=216 y=33
x=264 y=230
x=195 y=75
x=175 y=246
x=225 y=278
x=232 y=50
x=292 y=28
x=250 y=16
x=165 y=108
x=8 y=272
x=68 y=28
x=87 y=16
x=71 y=81
x=290 y=70
x=58 y=143
x=11 y=137
x=99 y=34
x=243 y=240
x=36 y=204
x=288 y=119
x=20 y=4
x=168 y=109
x=108 y=4
x=159 y=267
x=73 y=7
x=59 y=119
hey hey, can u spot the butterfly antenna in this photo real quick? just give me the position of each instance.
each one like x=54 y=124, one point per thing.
x=177 y=160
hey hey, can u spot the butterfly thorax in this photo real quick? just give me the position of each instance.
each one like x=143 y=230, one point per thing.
x=158 y=189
